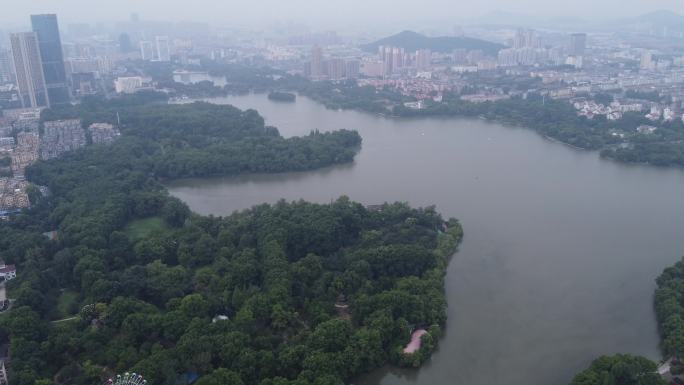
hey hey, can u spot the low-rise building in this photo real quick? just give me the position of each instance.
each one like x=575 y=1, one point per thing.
x=644 y=129
x=61 y=136
x=7 y=272
x=130 y=84
x=103 y=133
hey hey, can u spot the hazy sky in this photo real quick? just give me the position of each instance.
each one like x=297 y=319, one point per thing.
x=319 y=13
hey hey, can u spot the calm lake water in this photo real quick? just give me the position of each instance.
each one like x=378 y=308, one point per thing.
x=561 y=248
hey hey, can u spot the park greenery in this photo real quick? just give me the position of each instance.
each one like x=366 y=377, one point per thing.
x=202 y=139
x=282 y=96
x=284 y=294
x=669 y=309
x=620 y=369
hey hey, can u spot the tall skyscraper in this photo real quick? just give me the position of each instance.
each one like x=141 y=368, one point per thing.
x=388 y=61
x=578 y=44
x=50 y=44
x=6 y=72
x=28 y=65
x=125 y=45
x=163 y=50
x=146 y=50
x=316 y=62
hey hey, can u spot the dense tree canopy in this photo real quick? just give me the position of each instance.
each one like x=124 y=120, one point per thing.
x=670 y=310
x=291 y=293
x=620 y=369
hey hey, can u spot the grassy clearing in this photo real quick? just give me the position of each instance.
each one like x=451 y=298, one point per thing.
x=67 y=304
x=143 y=228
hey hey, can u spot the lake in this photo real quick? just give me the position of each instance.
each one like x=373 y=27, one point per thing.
x=561 y=248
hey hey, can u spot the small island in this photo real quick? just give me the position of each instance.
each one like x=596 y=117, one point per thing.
x=282 y=96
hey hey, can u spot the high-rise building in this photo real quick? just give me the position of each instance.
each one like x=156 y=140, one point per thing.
x=6 y=72
x=526 y=38
x=316 y=62
x=146 y=50
x=647 y=61
x=125 y=45
x=336 y=69
x=163 y=50
x=397 y=59
x=33 y=91
x=578 y=44
x=388 y=61
x=50 y=43
x=423 y=58
x=353 y=69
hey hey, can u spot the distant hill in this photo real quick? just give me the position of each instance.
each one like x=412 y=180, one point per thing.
x=662 y=18
x=412 y=41
x=657 y=22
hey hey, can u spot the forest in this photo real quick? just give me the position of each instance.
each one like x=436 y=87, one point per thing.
x=282 y=96
x=669 y=310
x=201 y=139
x=284 y=294
x=620 y=369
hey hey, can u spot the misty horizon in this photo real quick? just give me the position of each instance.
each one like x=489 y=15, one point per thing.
x=354 y=14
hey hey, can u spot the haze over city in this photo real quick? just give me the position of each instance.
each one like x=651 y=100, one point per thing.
x=352 y=13
x=303 y=192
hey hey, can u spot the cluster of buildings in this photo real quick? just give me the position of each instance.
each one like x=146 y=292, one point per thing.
x=61 y=136
x=13 y=196
x=103 y=133
x=655 y=112
x=157 y=50
x=23 y=147
x=26 y=152
x=38 y=69
x=321 y=68
x=395 y=60
x=526 y=49
x=22 y=142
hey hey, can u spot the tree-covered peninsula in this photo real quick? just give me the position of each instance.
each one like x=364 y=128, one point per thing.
x=620 y=369
x=284 y=294
x=670 y=311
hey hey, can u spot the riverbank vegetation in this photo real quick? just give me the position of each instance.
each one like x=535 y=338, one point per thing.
x=554 y=119
x=249 y=298
x=669 y=309
x=620 y=369
x=282 y=96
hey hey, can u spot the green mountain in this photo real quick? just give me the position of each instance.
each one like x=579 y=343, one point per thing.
x=412 y=41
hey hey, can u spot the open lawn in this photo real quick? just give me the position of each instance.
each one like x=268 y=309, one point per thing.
x=67 y=304
x=144 y=227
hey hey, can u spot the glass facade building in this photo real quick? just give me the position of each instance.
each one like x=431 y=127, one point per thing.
x=50 y=44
